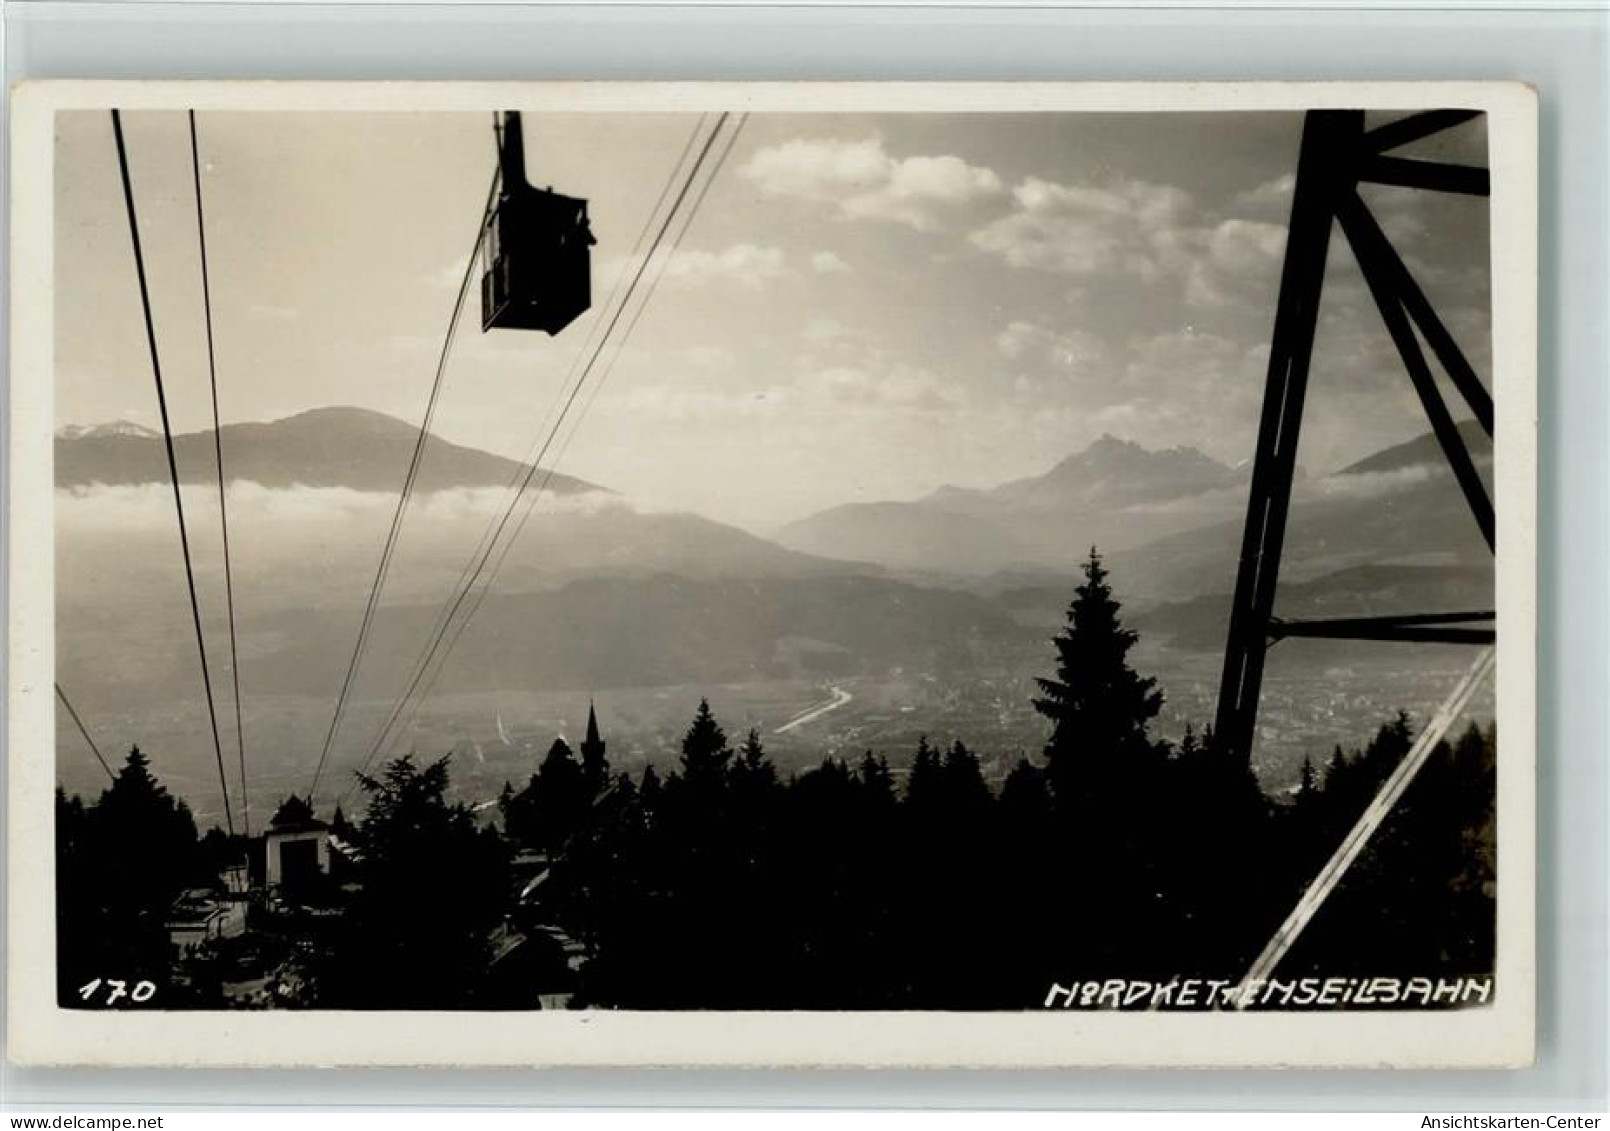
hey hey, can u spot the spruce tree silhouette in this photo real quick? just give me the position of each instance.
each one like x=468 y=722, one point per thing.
x=967 y=799
x=1032 y=886
x=705 y=752
x=123 y=862
x=753 y=774
x=554 y=803
x=761 y=936
x=650 y=793
x=431 y=888
x=1307 y=785
x=1106 y=780
x=698 y=867
x=1098 y=706
x=877 y=784
x=925 y=782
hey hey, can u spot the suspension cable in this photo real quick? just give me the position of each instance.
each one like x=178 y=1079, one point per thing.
x=173 y=463
x=405 y=494
x=96 y=750
x=512 y=487
x=535 y=466
x=536 y=496
x=223 y=497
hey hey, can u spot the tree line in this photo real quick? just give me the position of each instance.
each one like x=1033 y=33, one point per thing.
x=725 y=884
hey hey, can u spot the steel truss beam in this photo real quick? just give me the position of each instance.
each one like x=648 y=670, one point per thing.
x=1431 y=628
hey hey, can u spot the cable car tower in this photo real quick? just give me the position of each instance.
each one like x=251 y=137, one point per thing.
x=1337 y=155
x=536 y=249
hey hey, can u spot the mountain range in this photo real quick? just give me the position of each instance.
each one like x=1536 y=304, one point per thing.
x=942 y=606
x=1168 y=519
x=327 y=447
x=1114 y=493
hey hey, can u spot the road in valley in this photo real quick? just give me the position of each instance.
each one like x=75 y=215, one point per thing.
x=840 y=697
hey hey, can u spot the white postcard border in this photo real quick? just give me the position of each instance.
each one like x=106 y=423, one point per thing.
x=39 y=1032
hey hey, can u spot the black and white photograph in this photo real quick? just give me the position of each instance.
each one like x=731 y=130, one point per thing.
x=948 y=558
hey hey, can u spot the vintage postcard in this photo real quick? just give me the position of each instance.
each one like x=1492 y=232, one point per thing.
x=770 y=574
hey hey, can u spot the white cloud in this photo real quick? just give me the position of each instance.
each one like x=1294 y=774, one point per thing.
x=1133 y=228
x=1270 y=200
x=1241 y=259
x=1155 y=235
x=1073 y=350
x=147 y=507
x=866 y=182
x=897 y=386
x=1237 y=245
x=827 y=263
x=744 y=264
x=678 y=402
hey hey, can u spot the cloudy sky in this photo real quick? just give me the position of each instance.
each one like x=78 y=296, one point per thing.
x=866 y=307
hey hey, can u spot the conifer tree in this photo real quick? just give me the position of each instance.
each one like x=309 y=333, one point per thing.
x=877 y=782
x=650 y=792
x=552 y=805
x=1307 y=784
x=966 y=795
x=752 y=771
x=430 y=889
x=1098 y=705
x=1023 y=794
x=705 y=752
x=122 y=862
x=923 y=785
x=1335 y=769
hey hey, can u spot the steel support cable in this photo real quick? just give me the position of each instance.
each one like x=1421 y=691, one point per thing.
x=173 y=463
x=392 y=536
x=620 y=347
x=223 y=497
x=1391 y=792
x=422 y=669
x=569 y=402
x=512 y=487
x=83 y=730
x=536 y=497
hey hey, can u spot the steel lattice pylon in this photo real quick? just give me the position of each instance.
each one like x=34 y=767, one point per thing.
x=1337 y=155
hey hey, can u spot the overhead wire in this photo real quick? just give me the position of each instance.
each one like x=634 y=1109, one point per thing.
x=536 y=465
x=223 y=496
x=83 y=730
x=511 y=489
x=536 y=497
x=173 y=463
x=539 y=449
x=403 y=497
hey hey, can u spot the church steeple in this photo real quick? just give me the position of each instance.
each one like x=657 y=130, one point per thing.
x=593 y=762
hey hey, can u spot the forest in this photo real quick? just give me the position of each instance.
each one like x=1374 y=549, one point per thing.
x=898 y=880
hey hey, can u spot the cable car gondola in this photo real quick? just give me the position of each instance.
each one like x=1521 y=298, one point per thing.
x=537 y=248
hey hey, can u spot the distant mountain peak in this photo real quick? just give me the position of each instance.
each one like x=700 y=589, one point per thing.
x=336 y=446
x=1115 y=455
x=348 y=415
x=111 y=428
x=1423 y=451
